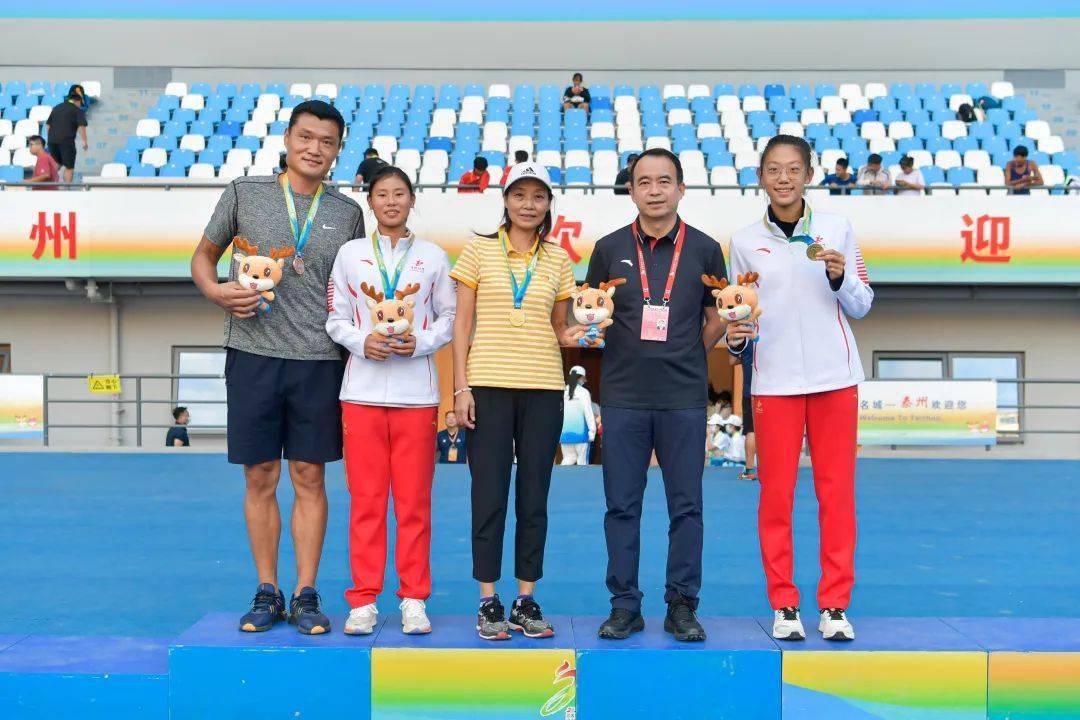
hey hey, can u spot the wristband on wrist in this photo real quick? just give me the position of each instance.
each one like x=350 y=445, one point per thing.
x=462 y=390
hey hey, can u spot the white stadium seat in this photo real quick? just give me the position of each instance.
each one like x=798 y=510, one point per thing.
x=40 y=113
x=900 y=129
x=976 y=159
x=728 y=102
x=921 y=158
x=498 y=90
x=791 y=128
x=602 y=130
x=723 y=175
x=269 y=101
x=193 y=102
x=829 y=158
x=1001 y=89
x=473 y=103
x=13 y=142
x=385 y=145
x=875 y=90
x=263 y=115
x=114 y=170
x=177 y=89
x=741 y=145
x=255 y=129
x=679 y=116
x=239 y=157
x=955 y=101
x=671 y=91
x=549 y=158
x=5 y=157
x=754 y=103
x=625 y=103
x=761 y=143
x=1052 y=175
x=660 y=141
x=872 y=129
x=747 y=159
x=92 y=88
x=630 y=144
x=1034 y=129
x=856 y=104
x=148 y=128
x=432 y=175
x=231 y=172
x=195 y=143
x=301 y=89
x=812 y=116
x=6 y=128
x=157 y=157
x=849 y=91
x=1052 y=144
x=27 y=127
x=436 y=158
x=23 y=158
x=283 y=115
x=275 y=143
x=946 y=159
x=952 y=129
x=201 y=171
x=832 y=102
x=882 y=144
x=707 y=130
x=835 y=117
x=407 y=159
x=330 y=90
x=696 y=91
x=605 y=160
x=266 y=158
x=520 y=142
x=991 y=175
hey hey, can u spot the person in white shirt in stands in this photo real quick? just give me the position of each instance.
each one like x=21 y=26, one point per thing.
x=716 y=441
x=736 y=446
x=806 y=377
x=390 y=399
x=579 y=424
x=909 y=181
x=872 y=178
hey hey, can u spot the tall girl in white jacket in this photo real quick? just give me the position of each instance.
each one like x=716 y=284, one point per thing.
x=806 y=375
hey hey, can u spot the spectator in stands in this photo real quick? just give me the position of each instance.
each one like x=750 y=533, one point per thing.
x=370 y=165
x=177 y=436
x=579 y=423
x=65 y=121
x=45 y=168
x=283 y=371
x=576 y=96
x=453 y=442
x=1021 y=173
x=656 y=380
x=873 y=179
x=83 y=100
x=622 y=180
x=716 y=441
x=735 y=453
x=909 y=181
x=840 y=179
x=477 y=179
x=520 y=156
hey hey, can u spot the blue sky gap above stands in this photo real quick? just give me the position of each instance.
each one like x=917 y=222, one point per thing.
x=554 y=10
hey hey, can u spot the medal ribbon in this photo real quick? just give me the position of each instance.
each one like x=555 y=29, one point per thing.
x=389 y=287
x=517 y=289
x=300 y=236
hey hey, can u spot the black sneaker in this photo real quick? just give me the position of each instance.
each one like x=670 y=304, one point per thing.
x=621 y=624
x=267 y=608
x=491 y=620
x=306 y=615
x=681 y=621
x=526 y=618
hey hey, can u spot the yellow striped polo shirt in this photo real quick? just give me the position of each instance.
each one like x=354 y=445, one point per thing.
x=526 y=357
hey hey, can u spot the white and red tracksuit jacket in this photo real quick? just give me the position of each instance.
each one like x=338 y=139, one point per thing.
x=805 y=344
x=398 y=381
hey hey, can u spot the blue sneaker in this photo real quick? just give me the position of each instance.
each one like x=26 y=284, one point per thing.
x=267 y=608
x=305 y=613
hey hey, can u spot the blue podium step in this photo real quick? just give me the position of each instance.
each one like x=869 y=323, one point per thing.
x=216 y=671
x=43 y=677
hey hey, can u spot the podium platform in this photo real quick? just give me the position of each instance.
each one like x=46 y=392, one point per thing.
x=898 y=668
x=92 y=678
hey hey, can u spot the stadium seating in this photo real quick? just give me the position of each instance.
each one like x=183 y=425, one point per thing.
x=435 y=133
x=24 y=108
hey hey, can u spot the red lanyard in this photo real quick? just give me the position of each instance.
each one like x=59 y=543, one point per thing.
x=674 y=262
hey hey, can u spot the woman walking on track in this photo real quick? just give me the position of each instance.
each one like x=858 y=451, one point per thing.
x=579 y=424
x=390 y=397
x=806 y=375
x=513 y=291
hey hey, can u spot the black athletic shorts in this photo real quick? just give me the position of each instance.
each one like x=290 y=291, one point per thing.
x=63 y=153
x=282 y=408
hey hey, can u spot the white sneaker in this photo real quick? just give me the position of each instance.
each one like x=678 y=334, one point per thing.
x=362 y=620
x=414 y=619
x=834 y=625
x=787 y=625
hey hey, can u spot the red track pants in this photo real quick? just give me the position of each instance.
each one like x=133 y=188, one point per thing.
x=831 y=423
x=389 y=449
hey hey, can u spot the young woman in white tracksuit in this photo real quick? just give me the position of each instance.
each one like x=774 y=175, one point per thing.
x=579 y=424
x=806 y=375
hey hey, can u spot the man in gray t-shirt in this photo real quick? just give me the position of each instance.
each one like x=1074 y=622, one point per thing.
x=282 y=371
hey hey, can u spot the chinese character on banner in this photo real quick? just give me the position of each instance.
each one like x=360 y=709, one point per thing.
x=921 y=402
x=988 y=242
x=906 y=402
x=55 y=232
x=563 y=232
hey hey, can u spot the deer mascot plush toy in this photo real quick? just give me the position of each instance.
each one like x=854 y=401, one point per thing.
x=259 y=272
x=391 y=318
x=593 y=308
x=737 y=303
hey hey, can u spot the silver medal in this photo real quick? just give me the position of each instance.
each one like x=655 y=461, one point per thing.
x=298 y=264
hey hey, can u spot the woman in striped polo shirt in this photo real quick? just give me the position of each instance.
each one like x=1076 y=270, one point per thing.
x=514 y=292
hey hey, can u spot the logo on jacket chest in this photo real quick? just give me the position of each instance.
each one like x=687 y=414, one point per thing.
x=417 y=266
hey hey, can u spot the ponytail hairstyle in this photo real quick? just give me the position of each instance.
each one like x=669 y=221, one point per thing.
x=572 y=383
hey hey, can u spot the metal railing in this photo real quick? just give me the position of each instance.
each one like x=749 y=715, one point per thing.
x=169 y=184
x=139 y=401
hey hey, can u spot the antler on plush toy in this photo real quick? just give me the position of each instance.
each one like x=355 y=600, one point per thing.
x=411 y=289
x=241 y=243
x=371 y=292
x=711 y=281
x=278 y=253
x=749 y=278
x=604 y=286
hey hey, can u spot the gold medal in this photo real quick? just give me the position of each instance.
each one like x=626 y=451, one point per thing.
x=813 y=249
x=517 y=317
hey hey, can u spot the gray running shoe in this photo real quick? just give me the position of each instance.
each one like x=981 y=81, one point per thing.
x=526 y=618
x=491 y=620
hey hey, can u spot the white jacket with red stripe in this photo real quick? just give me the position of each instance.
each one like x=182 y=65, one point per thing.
x=805 y=344
x=397 y=381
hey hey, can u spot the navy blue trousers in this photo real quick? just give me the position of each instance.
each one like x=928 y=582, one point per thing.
x=630 y=436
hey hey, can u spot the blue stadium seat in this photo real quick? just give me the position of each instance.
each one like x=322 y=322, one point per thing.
x=227 y=90
x=826 y=143
x=243 y=102
x=219 y=103
x=852 y=144
x=762 y=129
x=804 y=103
x=224 y=143
x=473 y=89
x=142 y=170
x=184 y=115
x=928 y=130
x=212 y=157
x=291 y=101
x=1026 y=115
x=909 y=104
x=981 y=130
x=888 y=116
x=494 y=157
x=165 y=142
x=173 y=171
x=677 y=103
x=773 y=90
x=623 y=89
x=1039 y=157
x=249 y=142
x=890 y=157
x=958 y=175
x=576 y=143
x=799 y=90
x=779 y=102
x=747 y=89
x=813 y=131
x=159 y=114
x=210 y=115
x=823 y=89
x=755 y=117
x=15 y=88
x=845 y=130
x=1066 y=159
x=555 y=173
x=1001 y=158
x=977 y=89
x=1010 y=130
x=748 y=176
x=199 y=88
x=61 y=88
x=229 y=128
x=169 y=102
x=722 y=89
x=27 y=101
x=607 y=143
x=932 y=174
x=1014 y=103
x=600 y=115
x=941 y=116
x=251 y=89
x=174 y=128
x=624 y=157
x=127 y=156
x=182 y=157
x=883 y=103
x=783 y=116
x=948 y=89
x=279 y=88
x=934 y=103
x=997 y=116
x=994 y=145
x=721 y=158
x=52 y=100
x=857 y=158
x=14 y=114
x=713 y=144
x=11 y=174
x=683 y=144
x=906 y=145
x=925 y=89
x=237 y=115
x=136 y=143
x=937 y=144
x=900 y=89
x=580 y=175
x=917 y=117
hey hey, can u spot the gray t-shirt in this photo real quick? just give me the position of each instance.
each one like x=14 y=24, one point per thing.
x=295 y=327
